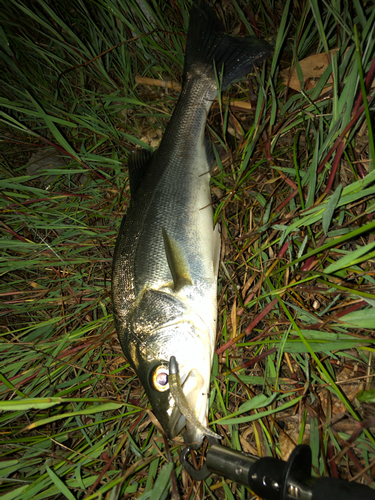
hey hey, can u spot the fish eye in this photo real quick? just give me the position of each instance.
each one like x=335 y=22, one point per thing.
x=159 y=378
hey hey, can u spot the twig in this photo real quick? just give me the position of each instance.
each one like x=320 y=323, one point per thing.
x=168 y=84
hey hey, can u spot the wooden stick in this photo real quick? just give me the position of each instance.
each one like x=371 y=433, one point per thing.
x=168 y=84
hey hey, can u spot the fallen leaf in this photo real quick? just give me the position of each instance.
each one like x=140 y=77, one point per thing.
x=312 y=68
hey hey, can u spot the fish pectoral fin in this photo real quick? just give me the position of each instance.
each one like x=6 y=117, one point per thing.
x=138 y=163
x=176 y=262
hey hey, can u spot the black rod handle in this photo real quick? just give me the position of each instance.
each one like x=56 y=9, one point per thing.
x=338 y=489
x=273 y=479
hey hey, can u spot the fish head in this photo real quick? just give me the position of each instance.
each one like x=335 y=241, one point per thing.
x=179 y=332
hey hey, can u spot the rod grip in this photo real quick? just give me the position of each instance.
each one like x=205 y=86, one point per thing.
x=337 y=489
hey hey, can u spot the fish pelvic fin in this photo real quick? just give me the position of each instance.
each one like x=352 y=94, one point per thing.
x=176 y=262
x=208 y=48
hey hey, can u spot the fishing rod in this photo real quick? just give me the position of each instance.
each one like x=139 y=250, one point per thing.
x=273 y=479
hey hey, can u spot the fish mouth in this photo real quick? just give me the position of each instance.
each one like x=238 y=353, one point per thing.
x=164 y=405
x=188 y=399
x=191 y=385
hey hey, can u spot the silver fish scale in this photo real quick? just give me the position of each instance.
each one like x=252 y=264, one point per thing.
x=166 y=198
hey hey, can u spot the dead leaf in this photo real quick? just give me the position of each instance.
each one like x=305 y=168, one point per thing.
x=312 y=68
x=350 y=389
x=290 y=436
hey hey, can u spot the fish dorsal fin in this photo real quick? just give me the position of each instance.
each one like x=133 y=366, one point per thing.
x=138 y=163
x=176 y=262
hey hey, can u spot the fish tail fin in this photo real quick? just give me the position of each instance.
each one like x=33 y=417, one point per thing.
x=208 y=47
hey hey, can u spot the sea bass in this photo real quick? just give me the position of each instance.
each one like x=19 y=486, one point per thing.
x=165 y=265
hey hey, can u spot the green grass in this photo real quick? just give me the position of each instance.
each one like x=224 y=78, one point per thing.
x=294 y=194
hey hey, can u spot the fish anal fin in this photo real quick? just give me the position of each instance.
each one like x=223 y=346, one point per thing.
x=138 y=164
x=176 y=262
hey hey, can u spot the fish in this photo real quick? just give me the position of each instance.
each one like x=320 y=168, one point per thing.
x=166 y=257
